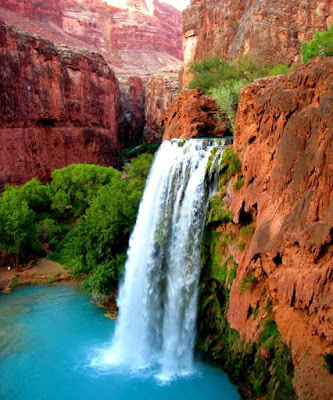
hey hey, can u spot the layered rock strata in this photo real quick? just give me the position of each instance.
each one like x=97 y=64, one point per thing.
x=57 y=106
x=161 y=90
x=265 y=29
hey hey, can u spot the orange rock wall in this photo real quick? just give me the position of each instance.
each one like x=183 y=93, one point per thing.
x=110 y=25
x=57 y=107
x=266 y=29
x=284 y=138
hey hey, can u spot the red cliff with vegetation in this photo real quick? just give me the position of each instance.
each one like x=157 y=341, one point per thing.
x=73 y=79
x=58 y=106
x=265 y=29
x=284 y=138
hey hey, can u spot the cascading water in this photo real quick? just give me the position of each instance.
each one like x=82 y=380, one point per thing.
x=158 y=299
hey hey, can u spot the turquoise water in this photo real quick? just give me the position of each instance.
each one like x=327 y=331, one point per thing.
x=51 y=342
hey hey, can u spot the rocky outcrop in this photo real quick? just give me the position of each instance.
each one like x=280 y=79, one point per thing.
x=137 y=37
x=264 y=29
x=284 y=138
x=161 y=90
x=57 y=106
x=192 y=115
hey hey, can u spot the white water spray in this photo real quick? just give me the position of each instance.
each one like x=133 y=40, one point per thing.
x=158 y=299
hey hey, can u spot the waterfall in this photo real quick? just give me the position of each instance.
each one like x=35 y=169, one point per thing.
x=158 y=298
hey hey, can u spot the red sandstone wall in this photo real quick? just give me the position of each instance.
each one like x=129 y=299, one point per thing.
x=284 y=138
x=57 y=107
x=266 y=29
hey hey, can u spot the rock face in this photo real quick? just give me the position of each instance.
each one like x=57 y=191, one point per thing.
x=284 y=138
x=192 y=115
x=265 y=29
x=57 y=107
x=136 y=36
x=161 y=90
x=72 y=86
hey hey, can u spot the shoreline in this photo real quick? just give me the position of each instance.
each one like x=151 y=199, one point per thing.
x=43 y=272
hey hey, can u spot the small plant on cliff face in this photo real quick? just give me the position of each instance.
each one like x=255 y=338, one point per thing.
x=246 y=232
x=248 y=283
x=218 y=210
x=227 y=98
x=328 y=359
x=224 y=80
x=239 y=184
x=320 y=46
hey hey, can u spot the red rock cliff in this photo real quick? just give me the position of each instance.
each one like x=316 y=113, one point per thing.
x=266 y=29
x=137 y=36
x=284 y=138
x=57 y=107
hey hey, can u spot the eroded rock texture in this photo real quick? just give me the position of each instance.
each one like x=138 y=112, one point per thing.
x=161 y=90
x=192 y=115
x=266 y=29
x=57 y=106
x=284 y=138
x=137 y=37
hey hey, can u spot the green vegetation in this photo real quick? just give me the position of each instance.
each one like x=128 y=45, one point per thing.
x=260 y=375
x=246 y=232
x=248 y=283
x=84 y=217
x=328 y=359
x=264 y=367
x=239 y=184
x=218 y=210
x=320 y=46
x=224 y=81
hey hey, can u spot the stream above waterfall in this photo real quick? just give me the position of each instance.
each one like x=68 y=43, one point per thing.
x=49 y=340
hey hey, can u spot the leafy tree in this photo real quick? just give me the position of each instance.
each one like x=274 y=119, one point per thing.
x=73 y=187
x=321 y=45
x=18 y=235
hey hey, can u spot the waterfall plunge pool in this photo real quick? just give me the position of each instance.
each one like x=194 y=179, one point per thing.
x=50 y=342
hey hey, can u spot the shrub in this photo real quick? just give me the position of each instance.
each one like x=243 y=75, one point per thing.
x=328 y=359
x=18 y=233
x=248 y=283
x=73 y=187
x=239 y=184
x=224 y=80
x=321 y=45
x=218 y=210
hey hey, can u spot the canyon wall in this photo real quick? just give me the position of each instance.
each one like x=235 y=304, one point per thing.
x=284 y=139
x=264 y=29
x=266 y=307
x=57 y=106
x=41 y=41
x=161 y=90
x=136 y=36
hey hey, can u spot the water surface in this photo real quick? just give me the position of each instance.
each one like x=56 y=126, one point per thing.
x=52 y=342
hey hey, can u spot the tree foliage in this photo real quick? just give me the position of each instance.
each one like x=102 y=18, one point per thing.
x=320 y=46
x=84 y=215
x=224 y=80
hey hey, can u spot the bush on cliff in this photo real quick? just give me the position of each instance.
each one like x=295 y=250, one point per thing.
x=224 y=80
x=320 y=46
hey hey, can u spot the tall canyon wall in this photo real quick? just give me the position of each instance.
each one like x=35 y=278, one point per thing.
x=77 y=66
x=267 y=30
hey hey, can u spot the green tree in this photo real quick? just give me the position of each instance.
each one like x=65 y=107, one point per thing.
x=18 y=234
x=73 y=187
x=321 y=45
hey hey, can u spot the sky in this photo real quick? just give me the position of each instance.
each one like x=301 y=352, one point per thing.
x=180 y=4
